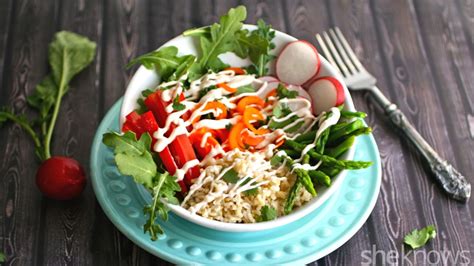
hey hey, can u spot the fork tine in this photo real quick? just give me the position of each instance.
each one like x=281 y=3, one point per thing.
x=326 y=52
x=342 y=52
x=348 y=49
x=335 y=53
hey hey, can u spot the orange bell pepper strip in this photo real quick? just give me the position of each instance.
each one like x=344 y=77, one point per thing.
x=251 y=114
x=210 y=106
x=217 y=105
x=226 y=87
x=237 y=70
x=249 y=100
x=251 y=140
x=235 y=136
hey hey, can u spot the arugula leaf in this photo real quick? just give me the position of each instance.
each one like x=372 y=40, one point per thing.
x=165 y=187
x=166 y=62
x=2 y=257
x=283 y=92
x=250 y=45
x=133 y=157
x=259 y=54
x=244 y=89
x=267 y=213
x=177 y=105
x=418 y=238
x=215 y=40
x=231 y=176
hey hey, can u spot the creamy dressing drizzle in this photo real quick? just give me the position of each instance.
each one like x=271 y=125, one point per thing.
x=182 y=171
x=204 y=139
x=300 y=107
x=211 y=195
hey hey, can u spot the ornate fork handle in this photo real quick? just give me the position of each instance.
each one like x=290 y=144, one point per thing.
x=453 y=182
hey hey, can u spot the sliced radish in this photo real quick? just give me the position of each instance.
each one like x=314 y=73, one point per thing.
x=301 y=92
x=326 y=92
x=297 y=63
x=268 y=79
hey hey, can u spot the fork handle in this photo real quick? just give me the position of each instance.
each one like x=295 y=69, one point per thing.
x=453 y=182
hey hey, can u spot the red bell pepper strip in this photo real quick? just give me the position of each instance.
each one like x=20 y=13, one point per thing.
x=180 y=148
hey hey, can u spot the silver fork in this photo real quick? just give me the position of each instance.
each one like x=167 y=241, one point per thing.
x=337 y=51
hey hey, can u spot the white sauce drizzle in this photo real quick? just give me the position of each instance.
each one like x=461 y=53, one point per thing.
x=204 y=139
x=182 y=171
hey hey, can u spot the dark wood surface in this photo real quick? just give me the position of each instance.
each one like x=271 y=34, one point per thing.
x=420 y=51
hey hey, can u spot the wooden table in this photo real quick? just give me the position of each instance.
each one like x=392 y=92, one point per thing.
x=420 y=51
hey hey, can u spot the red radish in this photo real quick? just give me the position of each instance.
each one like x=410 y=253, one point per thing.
x=297 y=63
x=301 y=92
x=326 y=92
x=61 y=178
x=268 y=79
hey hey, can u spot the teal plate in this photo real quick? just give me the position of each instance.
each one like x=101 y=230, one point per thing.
x=306 y=240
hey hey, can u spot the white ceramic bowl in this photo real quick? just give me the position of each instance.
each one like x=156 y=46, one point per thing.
x=144 y=79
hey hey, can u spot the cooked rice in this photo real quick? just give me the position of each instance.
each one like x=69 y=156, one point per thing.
x=238 y=207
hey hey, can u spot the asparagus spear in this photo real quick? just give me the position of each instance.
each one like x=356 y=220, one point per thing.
x=340 y=164
x=290 y=201
x=349 y=114
x=292 y=153
x=355 y=133
x=337 y=133
x=331 y=172
x=320 y=177
x=340 y=148
x=322 y=140
x=302 y=175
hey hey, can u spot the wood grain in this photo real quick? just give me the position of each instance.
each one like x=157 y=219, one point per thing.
x=23 y=68
x=421 y=51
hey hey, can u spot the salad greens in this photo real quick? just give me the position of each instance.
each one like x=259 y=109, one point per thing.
x=166 y=61
x=217 y=39
x=133 y=158
x=69 y=53
x=283 y=92
x=214 y=40
x=259 y=44
x=267 y=213
x=231 y=176
x=418 y=238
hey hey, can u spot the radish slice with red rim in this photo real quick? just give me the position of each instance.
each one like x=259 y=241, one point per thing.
x=325 y=92
x=297 y=63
